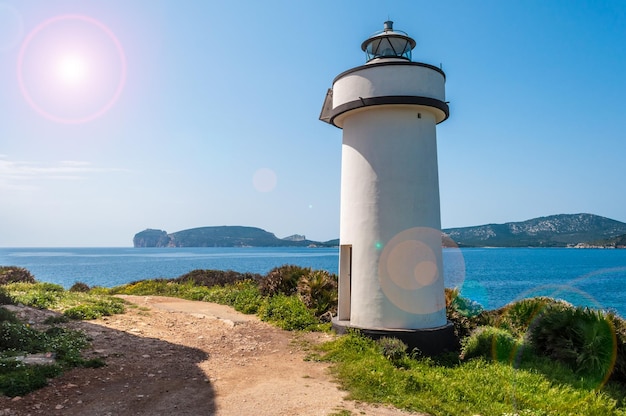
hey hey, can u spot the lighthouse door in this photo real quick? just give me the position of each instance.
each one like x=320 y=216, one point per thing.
x=345 y=282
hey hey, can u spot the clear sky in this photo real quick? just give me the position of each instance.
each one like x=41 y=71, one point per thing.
x=117 y=115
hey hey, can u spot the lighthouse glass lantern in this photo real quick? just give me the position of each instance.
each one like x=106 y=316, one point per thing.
x=390 y=258
x=388 y=44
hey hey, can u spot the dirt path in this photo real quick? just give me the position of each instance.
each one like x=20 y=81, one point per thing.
x=175 y=357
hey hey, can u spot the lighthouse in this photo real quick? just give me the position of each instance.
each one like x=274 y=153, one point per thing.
x=390 y=260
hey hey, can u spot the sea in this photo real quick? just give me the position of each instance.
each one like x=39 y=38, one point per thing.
x=491 y=277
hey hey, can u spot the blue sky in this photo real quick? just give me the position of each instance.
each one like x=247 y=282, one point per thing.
x=217 y=122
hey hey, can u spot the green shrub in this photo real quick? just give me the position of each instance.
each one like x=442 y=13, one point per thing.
x=318 y=291
x=144 y=287
x=619 y=368
x=5 y=297
x=26 y=379
x=39 y=299
x=490 y=343
x=67 y=344
x=518 y=316
x=20 y=337
x=96 y=309
x=287 y=312
x=17 y=378
x=99 y=290
x=8 y=316
x=53 y=320
x=80 y=287
x=283 y=280
x=37 y=295
x=248 y=298
x=463 y=323
x=211 y=278
x=582 y=338
x=14 y=274
x=393 y=349
x=49 y=287
x=94 y=363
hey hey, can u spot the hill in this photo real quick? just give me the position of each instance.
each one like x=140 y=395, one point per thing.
x=553 y=231
x=221 y=236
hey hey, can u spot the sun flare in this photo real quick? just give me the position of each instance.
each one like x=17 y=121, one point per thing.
x=71 y=69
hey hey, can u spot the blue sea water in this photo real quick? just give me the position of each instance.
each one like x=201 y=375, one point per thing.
x=492 y=277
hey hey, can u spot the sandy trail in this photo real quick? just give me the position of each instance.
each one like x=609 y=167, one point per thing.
x=168 y=356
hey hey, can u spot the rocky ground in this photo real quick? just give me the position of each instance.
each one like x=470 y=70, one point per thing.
x=169 y=356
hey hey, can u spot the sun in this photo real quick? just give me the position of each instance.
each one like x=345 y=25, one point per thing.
x=72 y=69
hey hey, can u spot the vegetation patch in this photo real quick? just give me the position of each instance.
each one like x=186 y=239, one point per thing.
x=474 y=386
x=19 y=340
x=73 y=304
x=536 y=356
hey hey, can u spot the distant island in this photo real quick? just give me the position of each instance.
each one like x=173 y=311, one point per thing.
x=563 y=230
x=223 y=236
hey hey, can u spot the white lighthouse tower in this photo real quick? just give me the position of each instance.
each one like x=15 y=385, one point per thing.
x=391 y=269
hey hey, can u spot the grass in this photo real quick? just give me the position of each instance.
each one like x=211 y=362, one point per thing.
x=20 y=339
x=475 y=386
x=73 y=305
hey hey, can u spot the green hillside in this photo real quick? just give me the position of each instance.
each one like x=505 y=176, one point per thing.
x=553 y=231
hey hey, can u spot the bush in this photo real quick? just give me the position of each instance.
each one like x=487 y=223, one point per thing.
x=80 y=287
x=490 y=343
x=17 y=378
x=283 y=280
x=66 y=344
x=518 y=316
x=287 y=312
x=582 y=338
x=26 y=379
x=5 y=297
x=143 y=287
x=53 y=320
x=619 y=368
x=318 y=290
x=393 y=349
x=41 y=299
x=211 y=278
x=247 y=297
x=95 y=310
x=14 y=274
x=458 y=312
x=8 y=316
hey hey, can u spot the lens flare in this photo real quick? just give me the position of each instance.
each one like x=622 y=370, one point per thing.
x=410 y=271
x=71 y=69
x=264 y=180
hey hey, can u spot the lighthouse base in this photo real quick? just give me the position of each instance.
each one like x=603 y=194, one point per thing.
x=429 y=341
